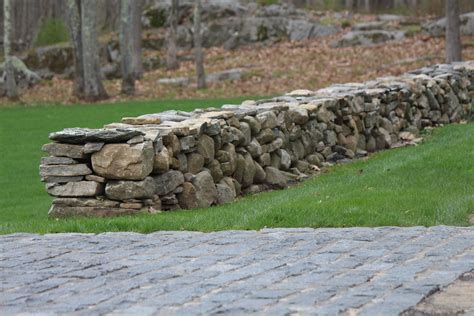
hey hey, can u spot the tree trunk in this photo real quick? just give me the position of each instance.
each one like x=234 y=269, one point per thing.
x=10 y=81
x=93 y=88
x=198 y=54
x=171 y=58
x=453 y=34
x=73 y=17
x=130 y=44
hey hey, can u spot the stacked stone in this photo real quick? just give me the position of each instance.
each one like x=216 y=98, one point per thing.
x=183 y=160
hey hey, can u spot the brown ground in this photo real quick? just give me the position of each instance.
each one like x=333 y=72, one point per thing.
x=275 y=69
x=456 y=299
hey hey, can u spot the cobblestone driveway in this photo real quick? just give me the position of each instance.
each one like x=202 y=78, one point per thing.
x=379 y=271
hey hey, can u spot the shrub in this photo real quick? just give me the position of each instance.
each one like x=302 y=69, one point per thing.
x=52 y=31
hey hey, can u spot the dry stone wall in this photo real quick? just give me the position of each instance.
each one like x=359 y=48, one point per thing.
x=182 y=160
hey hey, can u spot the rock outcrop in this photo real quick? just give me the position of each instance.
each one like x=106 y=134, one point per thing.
x=437 y=28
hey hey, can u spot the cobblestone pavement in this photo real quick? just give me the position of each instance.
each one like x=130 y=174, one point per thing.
x=366 y=271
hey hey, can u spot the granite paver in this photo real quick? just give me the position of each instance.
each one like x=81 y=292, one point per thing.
x=365 y=271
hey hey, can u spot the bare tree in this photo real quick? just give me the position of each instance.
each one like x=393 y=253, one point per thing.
x=73 y=17
x=10 y=82
x=198 y=54
x=130 y=44
x=453 y=34
x=171 y=56
x=82 y=21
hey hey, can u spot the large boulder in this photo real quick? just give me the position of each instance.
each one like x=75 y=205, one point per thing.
x=370 y=26
x=24 y=77
x=232 y=24
x=367 y=38
x=55 y=59
x=437 y=28
x=124 y=161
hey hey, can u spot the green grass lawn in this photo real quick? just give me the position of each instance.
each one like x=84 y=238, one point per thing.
x=427 y=185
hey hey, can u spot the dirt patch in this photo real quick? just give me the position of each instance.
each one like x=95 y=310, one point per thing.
x=456 y=299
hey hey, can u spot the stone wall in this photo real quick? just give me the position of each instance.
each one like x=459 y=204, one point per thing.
x=181 y=160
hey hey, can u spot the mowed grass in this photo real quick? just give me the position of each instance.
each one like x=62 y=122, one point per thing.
x=430 y=184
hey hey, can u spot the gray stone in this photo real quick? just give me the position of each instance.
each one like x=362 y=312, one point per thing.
x=205 y=148
x=260 y=175
x=367 y=38
x=188 y=143
x=271 y=147
x=168 y=181
x=215 y=170
x=58 y=161
x=178 y=81
x=195 y=163
x=212 y=129
x=330 y=137
x=124 y=161
x=75 y=189
x=265 y=159
x=64 y=170
x=188 y=198
x=246 y=132
x=60 y=211
x=126 y=190
x=89 y=202
x=368 y=26
x=254 y=148
x=226 y=75
x=65 y=150
x=373 y=270
x=239 y=168
x=297 y=149
x=285 y=159
x=249 y=171
x=87 y=135
x=225 y=194
x=437 y=28
x=265 y=136
x=275 y=178
x=275 y=160
x=302 y=166
x=183 y=162
x=239 y=138
x=90 y=148
x=206 y=192
x=227 y=158
x=267 y=119
x=298 y=115
x=161 y=161
x=255 y=125
x=58 y=179
x=173 y=144
x=324 y=115
x=383 y=139
x=314 y=160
